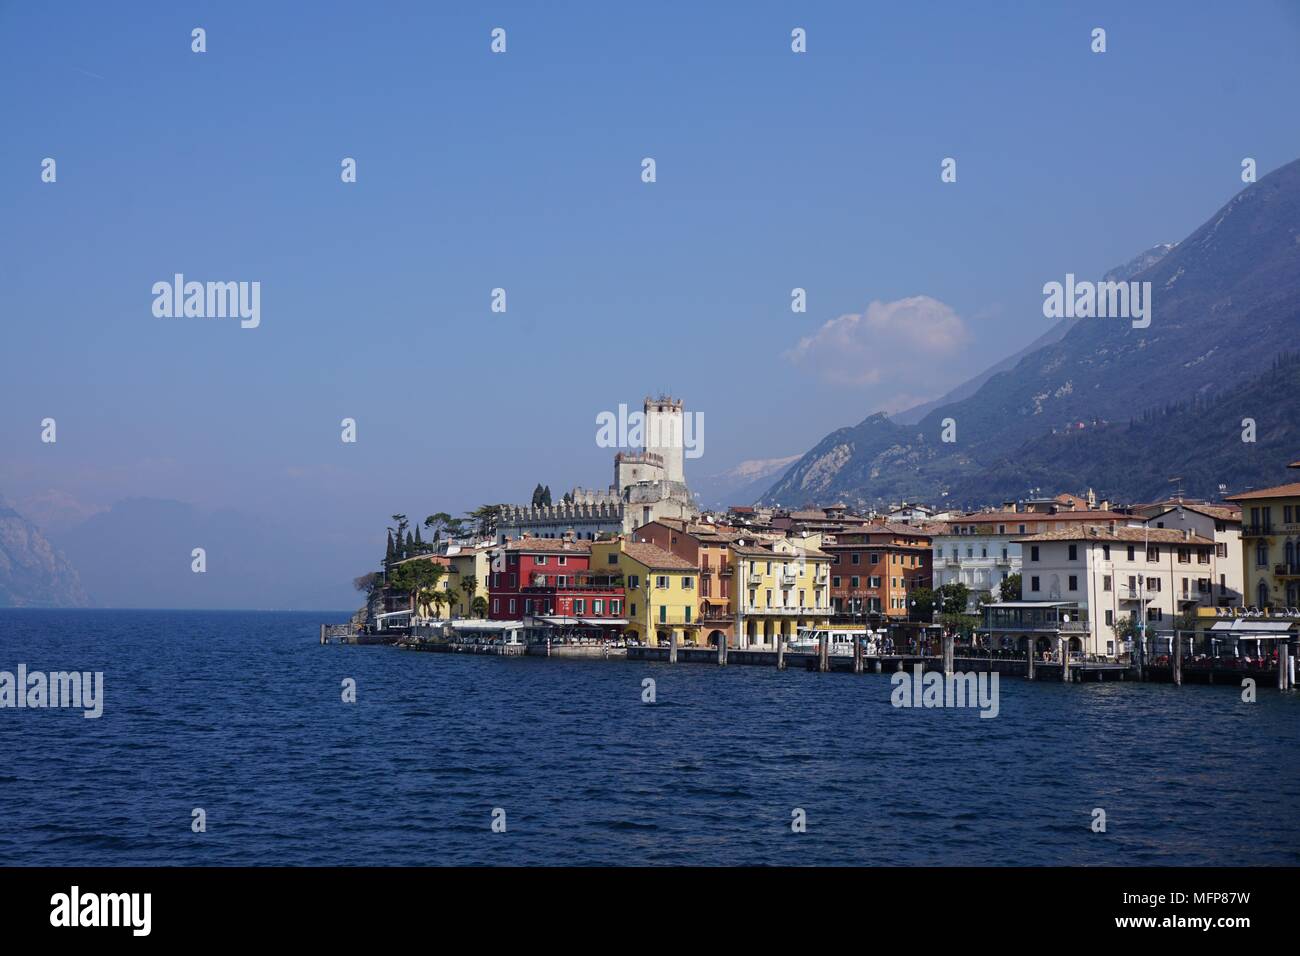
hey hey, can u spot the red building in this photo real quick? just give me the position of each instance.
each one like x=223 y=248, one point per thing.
x=875 y=568
x=548 y=584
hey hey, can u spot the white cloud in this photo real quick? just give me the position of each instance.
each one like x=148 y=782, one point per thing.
x=905 y=345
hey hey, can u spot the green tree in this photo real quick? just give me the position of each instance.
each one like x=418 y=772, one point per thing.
x=469 y=584
x=1011 y=588
x=480 y=607
x=537 y=495
x=921 y=603
x=953 y=598
x=391 y=554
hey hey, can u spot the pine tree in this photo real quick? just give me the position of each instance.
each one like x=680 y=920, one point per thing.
x=410 y=546
x=546 y=496
x=419 y=545
x=391 y=553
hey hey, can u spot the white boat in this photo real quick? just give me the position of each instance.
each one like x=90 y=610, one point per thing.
x=808 y=640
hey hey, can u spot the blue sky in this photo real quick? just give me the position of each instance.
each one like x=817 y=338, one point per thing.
x=522 y=170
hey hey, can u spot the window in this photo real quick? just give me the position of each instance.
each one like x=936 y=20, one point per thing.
x=857 y=558
x=1261 y=554
x=634 y=580
x=579 y=606
x=663 y=613
x=875 y=558
x=1105 y=552
x=835 y=582
x=688 y=583
x=1074 y=582
x=1022 y=530
x=1132 y=551
x=615 y=606
x=1033 y=583
x=688 y=614
x=1074 y=554
x=1153 y=584
x=1220 y=550
x=661 y=581
x=873 y=582
x=541 y=559
x=769 y=597
x=1153 y=552
x=631 y=610
x=611 y=558
x=1110 y=617
x=528 y=606
x=561 y=580
x=496 y=605
x=1105 y=582
x=1033 y=556
x=512 y=605
x=1184 y=556
x=835 y=559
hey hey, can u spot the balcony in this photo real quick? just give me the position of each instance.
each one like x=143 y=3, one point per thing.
x=1004 y=560
x=789 y=580
x=755 y=579
x=787 y=611
x=725 y=571
x=1287 y=570
x=1256 y=530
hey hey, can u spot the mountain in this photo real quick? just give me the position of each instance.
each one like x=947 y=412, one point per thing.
x=1225 y=305
x=1139 y=263
x=741 y=485
x=32 y=572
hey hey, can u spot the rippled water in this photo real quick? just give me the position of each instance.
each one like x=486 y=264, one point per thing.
x=240 y=714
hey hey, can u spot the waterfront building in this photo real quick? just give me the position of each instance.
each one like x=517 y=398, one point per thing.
x=661 y=596
x=874 y=570
x=1115 y=571
x=462 y=564
x=519 y=566
x=1222 y=523
x=1270 y=538
x=981 y=550
x=779 y=587
x=708 y=549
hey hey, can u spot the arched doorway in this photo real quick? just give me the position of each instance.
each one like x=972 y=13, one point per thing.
x=1261 y=594
x=715 y=638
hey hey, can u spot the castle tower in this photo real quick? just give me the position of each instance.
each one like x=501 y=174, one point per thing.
x=664 y=436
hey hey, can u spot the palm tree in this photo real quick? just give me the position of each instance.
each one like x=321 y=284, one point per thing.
x=479 y=607
x=469 y=585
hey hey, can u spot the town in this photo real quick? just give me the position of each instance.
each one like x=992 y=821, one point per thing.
x=1064 y=584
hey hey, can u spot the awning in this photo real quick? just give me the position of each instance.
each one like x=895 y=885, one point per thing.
x=486 y=625
x=1243 y=628
x=602 y=621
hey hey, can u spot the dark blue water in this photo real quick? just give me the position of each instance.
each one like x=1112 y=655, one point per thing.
x=240 y=714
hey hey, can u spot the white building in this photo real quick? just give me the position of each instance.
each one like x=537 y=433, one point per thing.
x=982 y=550
x=1114 y=571
x=1223 y=525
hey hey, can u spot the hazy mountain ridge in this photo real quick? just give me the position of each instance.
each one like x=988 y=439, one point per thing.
x=1226 y=300
x=32 y=572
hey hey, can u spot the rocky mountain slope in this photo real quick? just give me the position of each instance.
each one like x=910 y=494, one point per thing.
x=32 y=572
x=1225 y=305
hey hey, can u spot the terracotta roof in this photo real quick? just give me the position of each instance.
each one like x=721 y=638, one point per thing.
x=1277 y=491
x=655 y=557
x=1127 y=534
x=1015 y=517
x=1221 y=512
x=548 y=545
x=435 y=558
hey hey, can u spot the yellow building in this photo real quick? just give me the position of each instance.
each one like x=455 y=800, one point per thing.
x=466 y=563
x=781 y=586
x=1270 y=544
x=660 y=590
